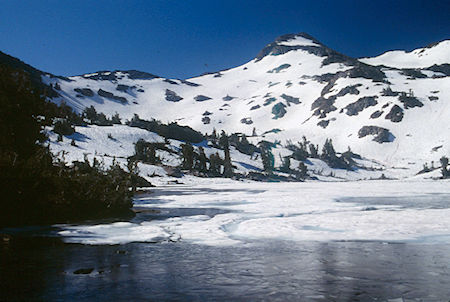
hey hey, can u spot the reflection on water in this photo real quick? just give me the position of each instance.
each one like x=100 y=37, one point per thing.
x=36 y=265
x=43 y=269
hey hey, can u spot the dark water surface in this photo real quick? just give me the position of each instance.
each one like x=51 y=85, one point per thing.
x=35 y=265
x=45 y=269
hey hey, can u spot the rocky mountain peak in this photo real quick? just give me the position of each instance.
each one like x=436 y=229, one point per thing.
x=119 y=74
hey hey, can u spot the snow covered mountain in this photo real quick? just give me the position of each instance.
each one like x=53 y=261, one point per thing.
x=396 y=113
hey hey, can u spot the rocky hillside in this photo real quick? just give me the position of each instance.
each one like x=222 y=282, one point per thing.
x=393 y=108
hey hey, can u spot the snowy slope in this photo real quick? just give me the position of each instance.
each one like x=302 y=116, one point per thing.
x=419 y=58
x=116 y=143
x=295 y=86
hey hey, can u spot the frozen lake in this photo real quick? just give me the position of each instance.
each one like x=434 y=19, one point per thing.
x=230 y=214
x=358 y=241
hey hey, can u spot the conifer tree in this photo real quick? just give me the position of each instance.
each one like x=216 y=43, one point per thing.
x=313 y=151
x=202 y=159
x=115 y=119
x=302 y=171
x=227 y=166
x=444 y=164
x=266 y=156
x=188 y=156
x=285 y=164
x=223 y=140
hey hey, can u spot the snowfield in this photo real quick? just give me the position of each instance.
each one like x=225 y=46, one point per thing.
x=228 y=213
x=295 y=87
x=418 y=58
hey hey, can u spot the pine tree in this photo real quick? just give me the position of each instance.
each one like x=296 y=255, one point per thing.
x=328 y=151
x=213 y=137
x=302 y=171
x=90 y=113
x=266 y=156
x=145 y=152
x=223 y=140
x=313 y=151
x=227 y=166
x=188 y=156
x=215 y=163
x=115 y=119
x=444 y=164
x=285 y=164
x=202 y=159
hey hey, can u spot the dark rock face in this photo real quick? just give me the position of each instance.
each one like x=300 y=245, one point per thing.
x=360 y=105
x=410 y=101
x=247 y=121
x=101 y=76
x=190 y=83
x=388 y=92
x=269 y=101
x=329 y=77
x=255 y=107
x=433 y=98
x=322 y=106
x=360 y=70
x=123 y=88
x=201 y=98
x=381 y=135
x=413 y=73
x=170 y=82
x=290 y=99
x=140 y=75
x=323 y=123
x=111 y=96
x=228 y=98
x=206 y=113
x=367 y=72
x=443 y=68
x=279 y=68
x=395 y=115
x=349 y=90
x=114 y=75
x=278 y=110
x=376 y=114
x=275 y=49
x=206 y=120
x=85 y=91
x=171 y=96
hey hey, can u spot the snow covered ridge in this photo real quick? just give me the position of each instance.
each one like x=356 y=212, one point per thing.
x=435 y=54
x=295 y=86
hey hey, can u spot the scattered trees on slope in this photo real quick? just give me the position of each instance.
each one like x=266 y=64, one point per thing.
x=33 y=187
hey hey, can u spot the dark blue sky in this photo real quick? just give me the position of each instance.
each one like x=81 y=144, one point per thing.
x=183 y=38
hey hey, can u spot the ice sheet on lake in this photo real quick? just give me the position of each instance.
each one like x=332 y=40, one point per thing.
x=289 y=211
